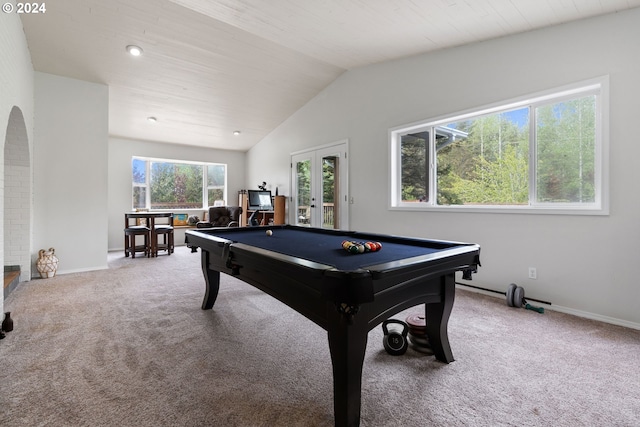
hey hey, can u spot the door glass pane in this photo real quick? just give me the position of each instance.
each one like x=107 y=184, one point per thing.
x=303 y=192
x=329 y=191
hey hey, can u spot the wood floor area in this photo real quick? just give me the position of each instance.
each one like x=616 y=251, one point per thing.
x=10 y=276
x=11 y=279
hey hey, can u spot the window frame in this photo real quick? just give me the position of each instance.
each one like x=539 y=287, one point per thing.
x=205 y=187
x=598 y=86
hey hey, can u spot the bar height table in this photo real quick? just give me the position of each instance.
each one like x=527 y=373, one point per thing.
x=150 y=218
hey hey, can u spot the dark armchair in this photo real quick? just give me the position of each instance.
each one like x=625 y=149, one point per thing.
x=222 y=216
x=219 y=216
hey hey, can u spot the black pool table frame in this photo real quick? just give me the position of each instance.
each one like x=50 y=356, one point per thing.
x=347 y=304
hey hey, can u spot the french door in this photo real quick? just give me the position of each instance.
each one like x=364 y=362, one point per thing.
x=320 y=187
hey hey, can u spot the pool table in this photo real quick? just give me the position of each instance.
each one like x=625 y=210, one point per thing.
x=344 y=293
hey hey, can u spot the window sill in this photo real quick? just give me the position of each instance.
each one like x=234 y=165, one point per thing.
x=505 y=210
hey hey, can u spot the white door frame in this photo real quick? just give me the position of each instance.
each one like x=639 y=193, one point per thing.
x=340 y=148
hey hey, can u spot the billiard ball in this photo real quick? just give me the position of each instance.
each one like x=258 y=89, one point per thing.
x=269 y=232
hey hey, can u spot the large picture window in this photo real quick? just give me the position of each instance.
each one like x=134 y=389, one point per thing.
x=543 y=153
x=160 y=184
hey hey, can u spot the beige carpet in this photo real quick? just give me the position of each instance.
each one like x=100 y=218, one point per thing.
x=130 y=346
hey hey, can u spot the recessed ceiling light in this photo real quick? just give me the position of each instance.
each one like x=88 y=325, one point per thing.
x=236 y=132
x=152 y=119
x=134 y=50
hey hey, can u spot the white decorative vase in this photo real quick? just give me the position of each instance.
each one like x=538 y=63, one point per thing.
x=47 y=263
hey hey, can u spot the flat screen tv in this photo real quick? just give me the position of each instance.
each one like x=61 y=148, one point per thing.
x=260 y=200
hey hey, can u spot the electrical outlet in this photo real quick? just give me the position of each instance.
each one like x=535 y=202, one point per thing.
x=533 y=273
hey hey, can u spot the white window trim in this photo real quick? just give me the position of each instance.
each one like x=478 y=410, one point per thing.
x=599 y=207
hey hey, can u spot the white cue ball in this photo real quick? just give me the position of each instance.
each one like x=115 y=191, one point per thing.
x=269 y=232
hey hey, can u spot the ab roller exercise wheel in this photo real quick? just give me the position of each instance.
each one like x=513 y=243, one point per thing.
x=515 y=298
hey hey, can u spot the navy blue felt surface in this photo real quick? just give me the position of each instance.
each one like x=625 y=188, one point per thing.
x=326 y=248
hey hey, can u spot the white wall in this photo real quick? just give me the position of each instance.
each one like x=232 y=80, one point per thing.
x=586 y=264
x=70 y=171
x=18 y=200
x=16 y=89
x=120 y=197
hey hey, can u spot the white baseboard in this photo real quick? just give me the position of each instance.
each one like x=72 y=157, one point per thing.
x=121 y=248
x=562 y=309
x=593 y=316
x=78 y=270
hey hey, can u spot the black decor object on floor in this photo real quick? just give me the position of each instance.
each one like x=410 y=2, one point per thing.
x=7 y=323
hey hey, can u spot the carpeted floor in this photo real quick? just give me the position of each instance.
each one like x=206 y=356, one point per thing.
x=130 y=346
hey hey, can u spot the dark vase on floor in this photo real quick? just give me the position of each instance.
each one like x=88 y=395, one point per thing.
x=7 y=323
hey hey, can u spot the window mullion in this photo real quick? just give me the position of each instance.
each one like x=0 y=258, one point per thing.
x=433 y=170
x=205 y=188
x=147 y=183
x=533 y=158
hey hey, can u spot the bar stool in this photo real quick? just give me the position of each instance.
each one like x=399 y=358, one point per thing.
x=166 y=231
x=130 y=246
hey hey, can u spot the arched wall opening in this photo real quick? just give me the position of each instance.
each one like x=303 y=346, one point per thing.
x=17 y=200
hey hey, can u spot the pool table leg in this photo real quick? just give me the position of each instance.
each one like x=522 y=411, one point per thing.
x=212 y=281
x=347 y=344
x=437 y=319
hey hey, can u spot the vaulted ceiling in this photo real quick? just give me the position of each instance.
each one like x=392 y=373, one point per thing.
x=210 y=68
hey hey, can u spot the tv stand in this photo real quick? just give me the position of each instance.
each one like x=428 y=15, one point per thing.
x=277 y=214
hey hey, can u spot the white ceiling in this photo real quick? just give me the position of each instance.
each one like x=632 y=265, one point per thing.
x=212 y=67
